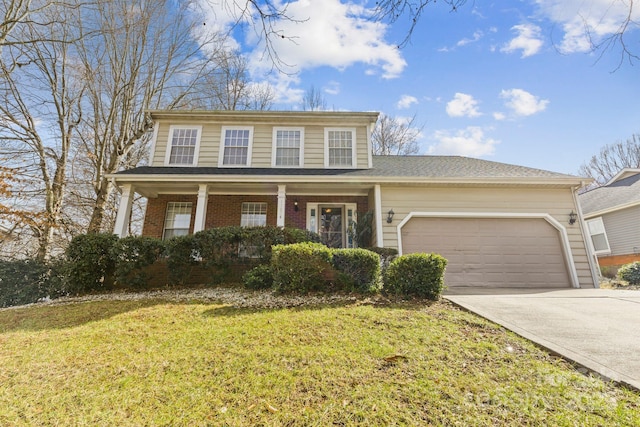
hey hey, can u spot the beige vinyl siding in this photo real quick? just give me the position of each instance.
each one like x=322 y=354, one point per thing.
x=556 y=202
x=314 y=147
x=262 y=143
x=623 y=230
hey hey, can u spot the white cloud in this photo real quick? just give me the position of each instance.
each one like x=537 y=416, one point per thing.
x=406 y=101
x=499 y=116
x=463 y=105
x=465 y=142
x=584 y=22
x=476 y=36
x=332 y=34
x=528 y=40
x=522 y=103
x=332 y=88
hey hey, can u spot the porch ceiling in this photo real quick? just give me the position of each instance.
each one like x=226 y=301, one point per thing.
x=152 y=190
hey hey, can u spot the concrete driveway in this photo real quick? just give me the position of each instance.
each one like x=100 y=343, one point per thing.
x=596 y=328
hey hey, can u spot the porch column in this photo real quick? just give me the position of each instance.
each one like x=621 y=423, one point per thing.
x=201 y=208
x=377 y=199
x=123 y=216
x=282 y=198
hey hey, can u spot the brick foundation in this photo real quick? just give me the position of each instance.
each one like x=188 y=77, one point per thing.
x=617 y=260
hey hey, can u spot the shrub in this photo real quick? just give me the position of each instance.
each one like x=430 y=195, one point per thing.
x=90 y=262
x=132 y=256
x=259 y=277
x=419 y=274
x=22 y=282
x=386 y=256
x=630 y=273
x=300 y=267
x=182 y=256
x=28 y=281
x=358 y=269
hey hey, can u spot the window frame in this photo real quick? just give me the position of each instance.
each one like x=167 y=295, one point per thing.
x=600 y=222
x=196 y=151
x=266 y=212
x=354 y=157
x=223 y=146
x=274 y=144
x=166 y=218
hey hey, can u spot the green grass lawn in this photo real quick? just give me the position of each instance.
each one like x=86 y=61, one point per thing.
x=155 y=362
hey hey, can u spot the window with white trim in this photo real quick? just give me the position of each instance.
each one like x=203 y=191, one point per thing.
x=236 y=146
x=177 y=220
x=340 y=148
x=182 y=148
x=253 y=214
x=598 y=235
x=287 y=147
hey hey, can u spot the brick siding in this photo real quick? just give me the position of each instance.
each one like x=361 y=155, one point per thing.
x=225 y=210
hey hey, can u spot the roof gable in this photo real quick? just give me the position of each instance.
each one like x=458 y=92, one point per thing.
x=621 y=192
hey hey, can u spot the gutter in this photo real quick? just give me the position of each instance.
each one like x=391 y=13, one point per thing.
x=354 y=179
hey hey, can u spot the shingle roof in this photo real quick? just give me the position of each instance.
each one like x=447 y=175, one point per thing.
x=619 y=193
x=436 y=167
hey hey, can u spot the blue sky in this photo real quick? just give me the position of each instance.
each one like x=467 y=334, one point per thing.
x=509 y=81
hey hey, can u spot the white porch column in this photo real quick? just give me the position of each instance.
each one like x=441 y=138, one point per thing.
x=201 y=208
x=282 y=198
x=124 y=211
x=377 y=200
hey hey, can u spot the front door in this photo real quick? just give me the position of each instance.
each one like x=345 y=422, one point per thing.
x=333 y=222
x=331 y=230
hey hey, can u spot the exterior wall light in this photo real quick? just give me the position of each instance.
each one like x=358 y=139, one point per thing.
x=295 y=206
x=390 y=216
x=572 y=218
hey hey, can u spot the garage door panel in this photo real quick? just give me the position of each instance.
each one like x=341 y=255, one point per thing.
x=510 y=252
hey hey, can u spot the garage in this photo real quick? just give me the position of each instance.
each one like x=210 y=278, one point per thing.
x=491 y=252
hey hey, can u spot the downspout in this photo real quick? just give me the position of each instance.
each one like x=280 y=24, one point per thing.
x=591 y=256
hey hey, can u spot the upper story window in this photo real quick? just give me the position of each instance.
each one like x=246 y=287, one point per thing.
x=183 y=145
x=288 y=147
x=598 y=235
x=340 y=147
x=236 y=146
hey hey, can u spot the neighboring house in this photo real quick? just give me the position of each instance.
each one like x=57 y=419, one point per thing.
x=612 y=215
x=497 y=224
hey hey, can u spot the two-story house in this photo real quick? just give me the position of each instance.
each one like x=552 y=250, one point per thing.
x=497 y=224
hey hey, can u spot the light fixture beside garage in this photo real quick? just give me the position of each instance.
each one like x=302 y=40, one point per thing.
x=572 y=218
x=390 y=216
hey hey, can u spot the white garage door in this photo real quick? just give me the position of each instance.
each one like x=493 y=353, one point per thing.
x=497 y=252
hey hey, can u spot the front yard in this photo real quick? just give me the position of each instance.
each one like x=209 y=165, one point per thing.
x=236 y=358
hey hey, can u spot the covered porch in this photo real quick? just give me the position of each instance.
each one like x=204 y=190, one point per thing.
x=179 y=208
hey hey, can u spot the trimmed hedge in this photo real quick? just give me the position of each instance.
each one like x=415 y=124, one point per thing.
x=259 y=277
x=132 y=256
x=90 y=263
x=357 y=269
x=630 y=273
x=419 y=274
x=27 y=281
x=300 y=267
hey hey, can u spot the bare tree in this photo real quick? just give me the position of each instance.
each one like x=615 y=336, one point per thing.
x=618 y=39
x=312 y=100
x=139 y=56
x=612 y=159
x=395 y=136
x=40 y=106
x=229 y=87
